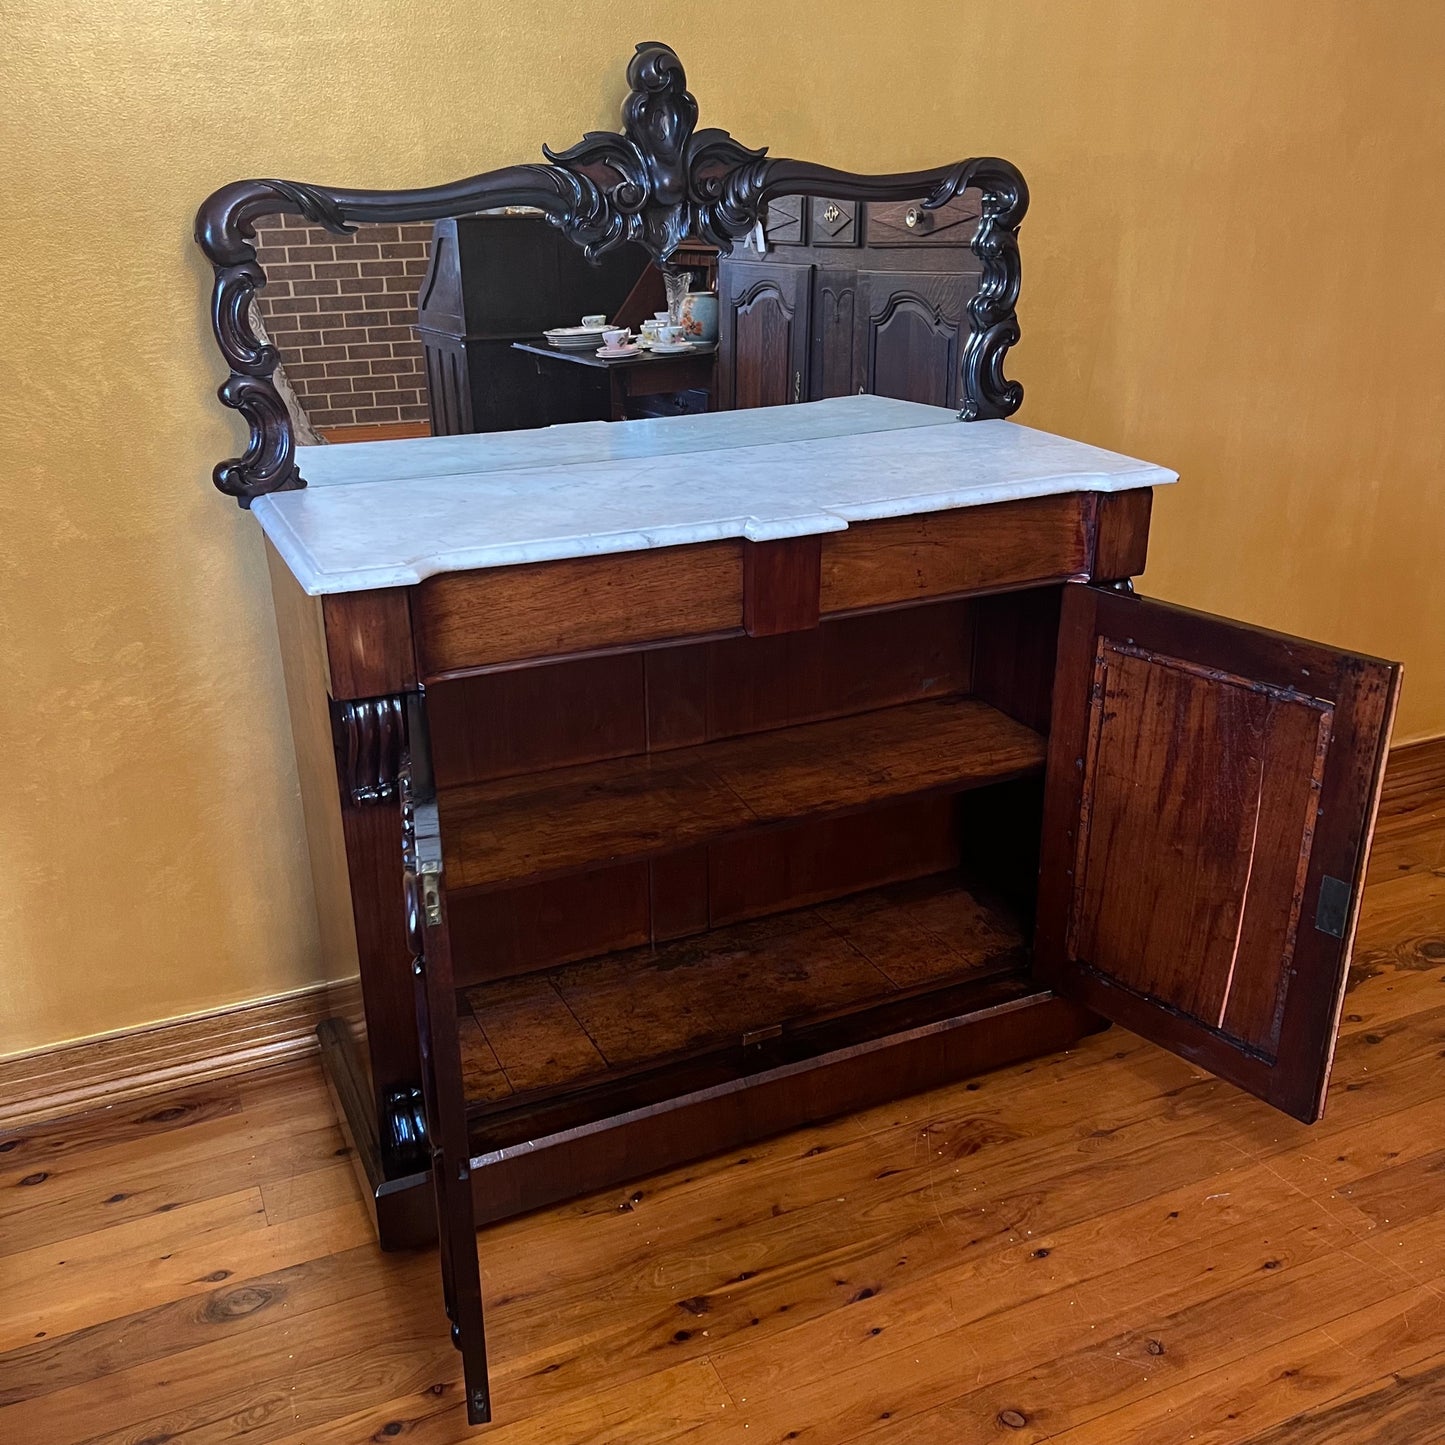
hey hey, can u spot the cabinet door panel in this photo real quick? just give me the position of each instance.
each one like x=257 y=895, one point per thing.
x=1211 y=792
x=443 y=1097
x=911 y=329
x=763 y=333
x=835 y=303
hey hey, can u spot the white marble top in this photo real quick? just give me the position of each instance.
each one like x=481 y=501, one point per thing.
x=387 y=514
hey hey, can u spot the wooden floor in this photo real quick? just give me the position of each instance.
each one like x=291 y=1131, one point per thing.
x=1101 y=1247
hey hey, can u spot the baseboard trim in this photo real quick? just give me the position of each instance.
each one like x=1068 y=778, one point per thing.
x=135 y=1063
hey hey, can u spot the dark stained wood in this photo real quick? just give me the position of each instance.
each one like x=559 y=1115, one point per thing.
x=368 y=642
x=354 y=849
x=909 y=223
x=1207 y=783
x=443 y=1071
x=941 y=554
x=513 y=830
x=620 y=1131
x=504 y=932
x=539 y=925
x=780 y=585
x=1015 y=642
x=787 y=867
x=1121 y=533
x=502 y=723
x=467 y=620
x=763 y=334
x=536 y=1038
x=911 y=330
x=848 y=665
x=833 y=223
x=680 y=890
x=658 y=183
x=373 y=846
x=493 y=279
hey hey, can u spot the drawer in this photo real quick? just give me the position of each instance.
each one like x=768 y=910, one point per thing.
x=834 y=223
x=941 y=554
x=468 y=620
x=907 y=223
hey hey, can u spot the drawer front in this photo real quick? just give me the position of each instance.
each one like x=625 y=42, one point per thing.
x=834 y=223
x=783 y=222
x=906 y=223
x=972 y=549
x=469 y=620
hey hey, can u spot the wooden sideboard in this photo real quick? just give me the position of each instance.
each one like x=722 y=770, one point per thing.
x=675 y=782
x=649 y=853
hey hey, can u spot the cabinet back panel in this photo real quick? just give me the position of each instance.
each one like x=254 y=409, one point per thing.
x=543 y=925
x=502 y=724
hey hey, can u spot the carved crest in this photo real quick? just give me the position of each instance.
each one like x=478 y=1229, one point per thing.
x=657 y=182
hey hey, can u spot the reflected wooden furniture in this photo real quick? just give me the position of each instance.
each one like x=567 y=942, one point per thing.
x=495 y=283
x=494 y=280
x=636 y=386
x=848 y=296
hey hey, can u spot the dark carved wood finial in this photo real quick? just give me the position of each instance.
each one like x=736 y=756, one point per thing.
x=657 y=182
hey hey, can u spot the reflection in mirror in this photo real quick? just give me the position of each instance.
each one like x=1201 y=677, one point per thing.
x=343 y=311
x=397 y=331
x=837 y=297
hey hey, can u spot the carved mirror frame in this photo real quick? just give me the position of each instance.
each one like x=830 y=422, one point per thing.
x=657 y=182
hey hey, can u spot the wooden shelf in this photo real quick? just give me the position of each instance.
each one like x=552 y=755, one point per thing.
x=736 y=990
x=523 y=829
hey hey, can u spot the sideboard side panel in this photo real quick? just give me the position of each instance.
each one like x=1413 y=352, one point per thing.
x=355 y=848
x=303 y=661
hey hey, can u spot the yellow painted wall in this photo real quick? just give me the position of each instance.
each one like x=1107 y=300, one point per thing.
x=1233 y=265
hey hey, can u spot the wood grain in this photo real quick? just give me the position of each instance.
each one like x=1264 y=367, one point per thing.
x=1210 y=786
x=120 y=1068
x=780 y=585
x=941 y=554
x=1106 y=1242
x=650 y=1004
x=468 y=620
x=518 y=829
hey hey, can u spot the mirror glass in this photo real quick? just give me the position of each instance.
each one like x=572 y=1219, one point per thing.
x=421 y=329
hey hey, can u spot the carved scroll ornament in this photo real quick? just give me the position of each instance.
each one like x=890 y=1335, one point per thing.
x=657 y=182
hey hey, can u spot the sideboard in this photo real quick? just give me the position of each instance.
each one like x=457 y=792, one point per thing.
x=673 y=782
x=681 y=781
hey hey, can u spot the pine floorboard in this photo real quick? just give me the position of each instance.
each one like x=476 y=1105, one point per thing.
x=1104 y=1247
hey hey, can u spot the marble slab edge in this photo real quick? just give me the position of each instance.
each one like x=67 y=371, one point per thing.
x=317 y=582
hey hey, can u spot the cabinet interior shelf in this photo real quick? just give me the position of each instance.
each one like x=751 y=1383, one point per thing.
x=524 y=829
x=586 y=1042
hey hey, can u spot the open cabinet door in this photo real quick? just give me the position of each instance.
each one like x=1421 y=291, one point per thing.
x=1210 y=795
x=443 y=1097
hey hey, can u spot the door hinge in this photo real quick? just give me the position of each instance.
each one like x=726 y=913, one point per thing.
x=1333 y=910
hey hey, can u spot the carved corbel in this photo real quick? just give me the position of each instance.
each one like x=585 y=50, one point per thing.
x=370 y=739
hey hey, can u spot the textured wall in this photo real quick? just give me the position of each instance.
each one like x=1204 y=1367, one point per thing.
x=1232 y=265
